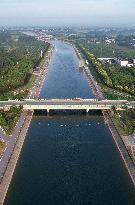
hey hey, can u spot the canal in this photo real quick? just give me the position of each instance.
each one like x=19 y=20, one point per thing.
x=69 y=160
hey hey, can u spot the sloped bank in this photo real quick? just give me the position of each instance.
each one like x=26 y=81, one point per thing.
x=118 y=139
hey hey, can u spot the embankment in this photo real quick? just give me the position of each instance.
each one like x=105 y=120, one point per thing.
x=14 y=158
x=108 y=119
x=11 y=164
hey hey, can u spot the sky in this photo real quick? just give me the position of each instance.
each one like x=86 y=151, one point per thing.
x=67 y=12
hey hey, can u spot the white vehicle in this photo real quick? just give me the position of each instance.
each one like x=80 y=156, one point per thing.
x=77 y=99
x=13 y=100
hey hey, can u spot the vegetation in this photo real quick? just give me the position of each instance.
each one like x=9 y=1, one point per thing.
x=125 y=121
x=128 y=118
x=111 y=77
x=2 y=147
x=110 y=50
x=8 y=119
x=14 y=95
x=18 y=54
x=123 y=45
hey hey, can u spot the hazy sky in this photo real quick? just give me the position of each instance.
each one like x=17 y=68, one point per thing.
x=67 y=12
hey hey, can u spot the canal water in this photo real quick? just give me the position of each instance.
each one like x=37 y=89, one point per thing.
x=69 y=160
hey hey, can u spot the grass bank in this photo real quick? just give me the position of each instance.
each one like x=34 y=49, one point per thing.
x=8 y=119
x=2 y=147
x=124 y=121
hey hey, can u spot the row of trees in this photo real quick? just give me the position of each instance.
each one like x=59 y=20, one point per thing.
x=123 y=79
x=100 y=69
x=97 y=65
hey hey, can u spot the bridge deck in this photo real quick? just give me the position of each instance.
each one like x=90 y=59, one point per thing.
x=68 y=104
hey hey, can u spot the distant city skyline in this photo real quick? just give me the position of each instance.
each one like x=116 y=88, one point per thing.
x=67 y=12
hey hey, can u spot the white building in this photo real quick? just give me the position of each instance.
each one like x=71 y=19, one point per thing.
x=121 y=62
x=125 y=63
x=109 y=41
x=108 y=60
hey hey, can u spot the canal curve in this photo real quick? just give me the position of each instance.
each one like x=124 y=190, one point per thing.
x=69 y=160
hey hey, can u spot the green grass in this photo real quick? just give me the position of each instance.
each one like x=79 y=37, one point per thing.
x=13 y=95
x=30 y=83
x=2 y=147
x=8 y=119
x=119 y=125
x=113 y=94
x=124 y=121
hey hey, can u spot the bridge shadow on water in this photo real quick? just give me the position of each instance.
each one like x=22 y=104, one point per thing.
x=67 y=113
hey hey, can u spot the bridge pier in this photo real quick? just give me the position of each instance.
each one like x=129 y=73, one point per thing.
x=48 y=111
x=87 y=111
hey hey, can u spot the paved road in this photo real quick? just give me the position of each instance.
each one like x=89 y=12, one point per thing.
x=68 y=102
x=10 y=143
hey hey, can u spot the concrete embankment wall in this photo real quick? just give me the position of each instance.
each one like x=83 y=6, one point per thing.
x=14 y=158
x=120 y=145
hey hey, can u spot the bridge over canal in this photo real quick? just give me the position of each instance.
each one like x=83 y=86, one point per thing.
x=68 y=104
